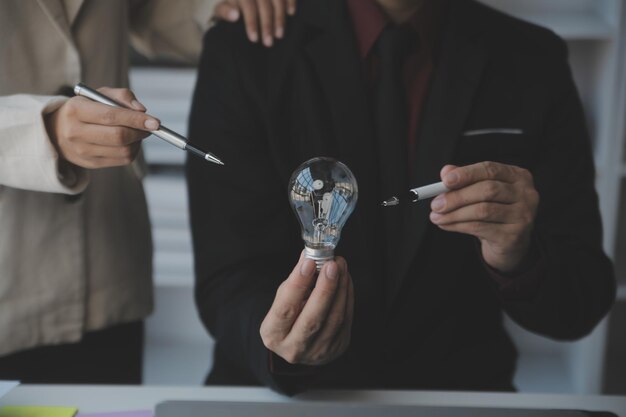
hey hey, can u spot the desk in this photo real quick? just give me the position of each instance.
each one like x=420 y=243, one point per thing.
x=115 y=398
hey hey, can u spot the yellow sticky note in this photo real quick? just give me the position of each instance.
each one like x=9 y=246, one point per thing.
x=28 y=411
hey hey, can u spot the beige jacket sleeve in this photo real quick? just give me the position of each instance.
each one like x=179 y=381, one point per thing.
x=28 y=160
x=171 y=29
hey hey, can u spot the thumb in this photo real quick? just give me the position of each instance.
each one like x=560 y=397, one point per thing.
x=446 y=169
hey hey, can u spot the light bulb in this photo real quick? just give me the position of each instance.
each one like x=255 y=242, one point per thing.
x=323 y=193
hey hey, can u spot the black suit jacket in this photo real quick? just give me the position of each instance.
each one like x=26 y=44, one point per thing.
x=435 y=321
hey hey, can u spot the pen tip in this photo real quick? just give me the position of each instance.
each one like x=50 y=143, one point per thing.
x=212 y=158
x=393 y=201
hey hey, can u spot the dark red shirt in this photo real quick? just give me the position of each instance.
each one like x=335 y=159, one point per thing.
x=368 y=21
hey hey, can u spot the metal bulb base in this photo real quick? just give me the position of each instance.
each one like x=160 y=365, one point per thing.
x=320 y=256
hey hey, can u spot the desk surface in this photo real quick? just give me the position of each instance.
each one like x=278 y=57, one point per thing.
x=118 y=398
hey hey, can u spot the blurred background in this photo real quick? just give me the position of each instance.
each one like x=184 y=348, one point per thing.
x=178 y=349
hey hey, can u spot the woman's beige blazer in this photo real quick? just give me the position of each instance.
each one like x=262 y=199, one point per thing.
x=75 y=247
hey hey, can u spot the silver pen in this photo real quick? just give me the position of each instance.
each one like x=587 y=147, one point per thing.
x=163 y=132
x=419 y=193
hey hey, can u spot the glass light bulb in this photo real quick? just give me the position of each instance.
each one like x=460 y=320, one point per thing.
x=323 y=193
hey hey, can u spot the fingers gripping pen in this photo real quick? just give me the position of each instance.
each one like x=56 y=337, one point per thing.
x=163 y=132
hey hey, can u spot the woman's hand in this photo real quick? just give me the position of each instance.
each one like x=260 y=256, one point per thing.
x=264 y=19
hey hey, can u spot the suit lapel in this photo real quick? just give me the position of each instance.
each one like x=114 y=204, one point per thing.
x=73 y=8
x=55 y=10
x=336 y=62
x=455 y=81
x=335 y=59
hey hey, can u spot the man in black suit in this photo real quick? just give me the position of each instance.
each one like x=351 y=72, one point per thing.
x=405 y=92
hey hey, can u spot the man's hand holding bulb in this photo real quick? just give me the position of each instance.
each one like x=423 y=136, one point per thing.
x=310 y=320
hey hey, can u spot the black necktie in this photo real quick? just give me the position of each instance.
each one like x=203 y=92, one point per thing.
x=391 y=120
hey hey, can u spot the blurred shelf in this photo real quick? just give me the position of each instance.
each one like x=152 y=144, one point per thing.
x=176 y=364
x=171 y=240
x=168 y=218
x=173 y=250
x=162 y=82
x=172 y=108
x=172 y=280
x=574 y=26
x=166 y=93
x=173 y=264
x=545 y=373
x=178 y=349
x=157 y=151
x=621 y=291
x=543 y=364
x=572 y=20
x=165 y=192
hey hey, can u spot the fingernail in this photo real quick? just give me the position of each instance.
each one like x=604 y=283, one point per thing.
x=233 y=15
x=291 y=10
x=151 y=124
x=137 y=105
x=434 y=216
x=307 y=268
x=452 y=178
x=280 y=32
x=268 y=40
x=438 y=203
x=331 y=271
x=254 y=37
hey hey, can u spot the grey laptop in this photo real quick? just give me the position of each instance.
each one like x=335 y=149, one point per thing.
x=321 y=409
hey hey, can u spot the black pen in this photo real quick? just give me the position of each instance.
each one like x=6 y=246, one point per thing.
x=163 y=132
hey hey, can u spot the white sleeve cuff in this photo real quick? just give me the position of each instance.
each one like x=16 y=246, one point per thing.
x=28 y=160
